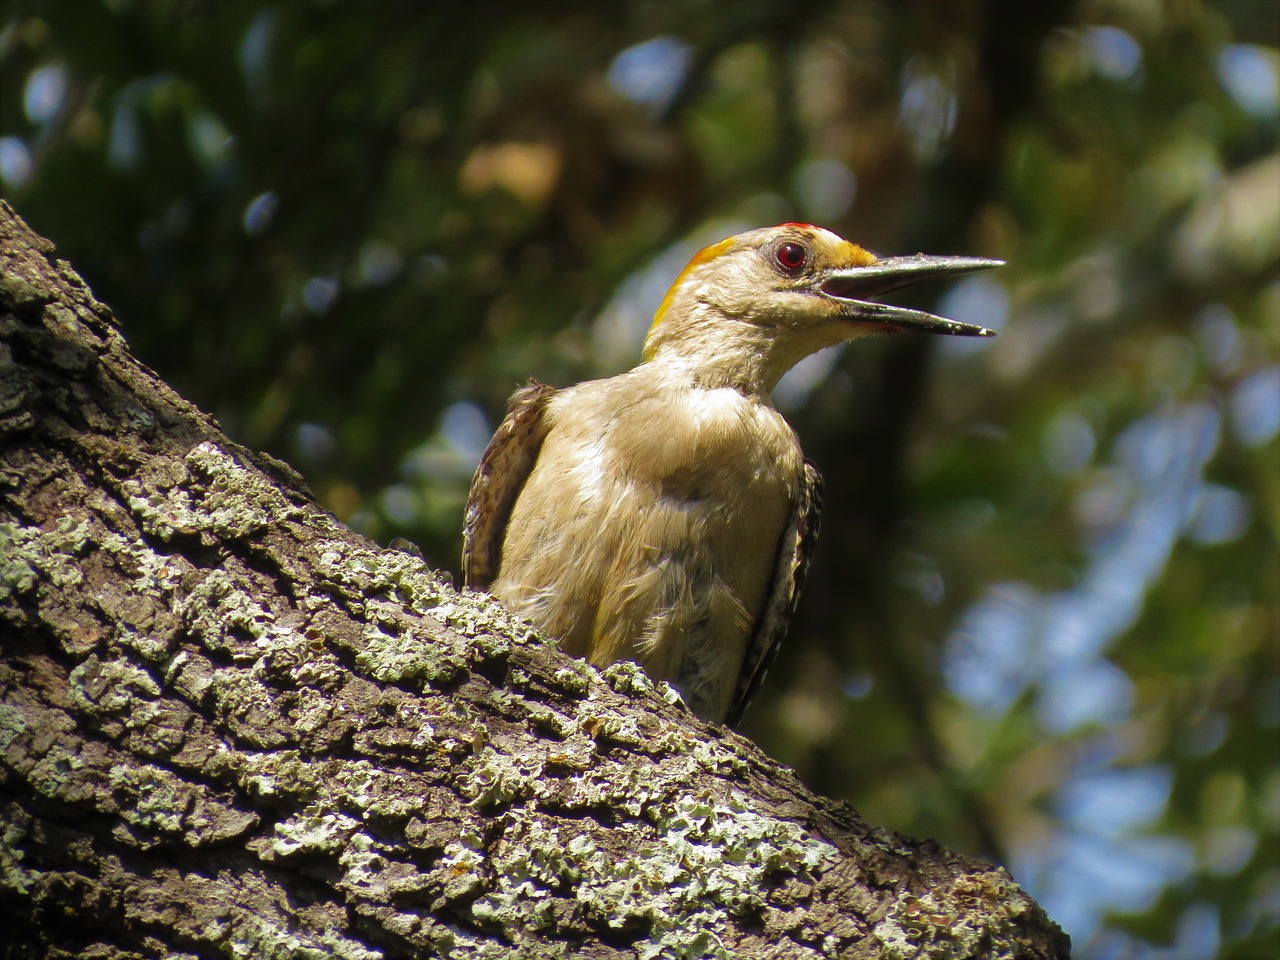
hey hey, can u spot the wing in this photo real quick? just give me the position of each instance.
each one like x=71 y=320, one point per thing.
x=794 y=552
x=503 y=469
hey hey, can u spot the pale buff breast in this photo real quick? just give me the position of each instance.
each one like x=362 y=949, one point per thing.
x=652 y=534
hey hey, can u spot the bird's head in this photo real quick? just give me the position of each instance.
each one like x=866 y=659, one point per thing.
x=747 y=309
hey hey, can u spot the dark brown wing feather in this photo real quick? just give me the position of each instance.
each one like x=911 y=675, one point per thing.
x=794 y=552
x=503 y=469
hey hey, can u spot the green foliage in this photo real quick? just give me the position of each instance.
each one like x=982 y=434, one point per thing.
x=1043 y=621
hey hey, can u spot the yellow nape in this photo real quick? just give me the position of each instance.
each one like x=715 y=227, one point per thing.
x=705 y=255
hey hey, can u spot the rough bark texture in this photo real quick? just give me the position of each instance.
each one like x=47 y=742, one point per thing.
x=232 y=727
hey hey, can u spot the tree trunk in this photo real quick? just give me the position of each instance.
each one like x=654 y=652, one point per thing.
x=232 y=727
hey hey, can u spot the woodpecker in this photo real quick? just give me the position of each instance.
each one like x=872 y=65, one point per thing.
x=667 y=515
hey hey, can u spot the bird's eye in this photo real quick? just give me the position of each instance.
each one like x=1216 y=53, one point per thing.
x=791 y=256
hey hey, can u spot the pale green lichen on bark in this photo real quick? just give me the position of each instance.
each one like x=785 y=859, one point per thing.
x=349 y=787
x=65 y=541
x=21 y=291
x=14 y=877
x=462 y=866
x=61 y=318
x=55 y=773
x=118 y=685
x=574 y=677
x=702 y=867
x=30 y=557
x=155 y=574
x=219 y=498
x=407 y=580
x=256 y=938
x=497 y=777
x=373 y=791
x=462 y=945
x=219 y=603
x=970 y=916
x=19 y=559
x=242 y=695
x=400 y=576
x=12 y=725
x=189 y=675
x=480 y=618
x=367 y=869
x=627 y=677
x=699 y=754
x=36 y=561
x=313 y=830
x=154 y=799
x=404 y=657
x=284 y=774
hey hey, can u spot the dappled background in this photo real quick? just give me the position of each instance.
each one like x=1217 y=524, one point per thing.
x=1042 y=622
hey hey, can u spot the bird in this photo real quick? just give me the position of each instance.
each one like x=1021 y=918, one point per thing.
x=667 y=515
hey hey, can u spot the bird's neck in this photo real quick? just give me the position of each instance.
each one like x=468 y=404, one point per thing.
x=711 y=363
x=723 y=351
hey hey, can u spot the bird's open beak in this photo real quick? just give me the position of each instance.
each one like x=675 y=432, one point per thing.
x=852 y=286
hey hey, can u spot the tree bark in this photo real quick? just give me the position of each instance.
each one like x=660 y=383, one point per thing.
x=230 y=726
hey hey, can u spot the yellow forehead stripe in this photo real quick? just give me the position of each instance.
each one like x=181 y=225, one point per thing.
x=858 y=256
x=855 y=255
x=705 y=255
